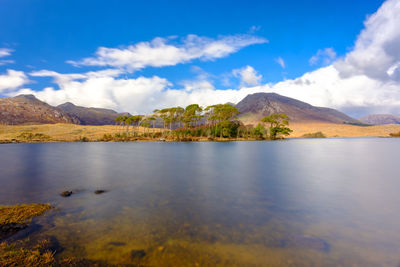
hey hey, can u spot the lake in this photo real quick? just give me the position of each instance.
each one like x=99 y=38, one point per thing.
x=307 y=202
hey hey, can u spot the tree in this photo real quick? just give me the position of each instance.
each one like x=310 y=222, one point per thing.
x=153 y=121
x=178 y=115
x=216 y=114
x=259 y=131
x=128 y=121
x=145 y=123
x=192 y=115
x=277 y=125
x=118 y=120
x=165 y=115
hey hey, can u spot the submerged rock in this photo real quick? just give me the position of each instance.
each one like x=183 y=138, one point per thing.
x=138 y=253
x=306 y=241
x=10 y=229
x=20 y=231
x=66 y=193
x=97 y=192
x=13 y=219
x=117 y=244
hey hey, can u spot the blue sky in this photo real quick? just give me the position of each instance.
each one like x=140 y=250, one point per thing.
x=48 y=35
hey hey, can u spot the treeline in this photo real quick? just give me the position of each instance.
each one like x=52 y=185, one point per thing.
x=194 y=122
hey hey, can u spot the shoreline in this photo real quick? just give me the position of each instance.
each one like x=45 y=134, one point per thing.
x=2 y=142
x=60 y=133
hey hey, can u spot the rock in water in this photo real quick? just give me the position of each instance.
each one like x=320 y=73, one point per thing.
x=138 y=253
x=97 y=192
x=66 y=193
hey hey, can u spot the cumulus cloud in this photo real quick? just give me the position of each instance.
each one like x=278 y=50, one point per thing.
x=325 y=56
x=12 y=80
x=94 y=89
x=365 y=80
x=162 y=52
x=281 y=62
x=376 y=52
x=248 y=76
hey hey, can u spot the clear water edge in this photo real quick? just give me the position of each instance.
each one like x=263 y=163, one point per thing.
x=235 y=203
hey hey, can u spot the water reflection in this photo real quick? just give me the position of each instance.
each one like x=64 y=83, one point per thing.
x=296 y=202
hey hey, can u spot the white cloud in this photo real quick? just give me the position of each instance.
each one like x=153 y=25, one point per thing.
x=12 y=80
x=377 y=49
x=4 y=52
x=254 y=28
x=160 y=52
x=325 y=56
x=62 y=78
x=248 y=76
x=6 y=61
x=366 y=80
x=281 y=62
x=94 y=90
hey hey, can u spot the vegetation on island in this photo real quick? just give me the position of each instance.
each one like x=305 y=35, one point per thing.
x=216 y=122
x=314 y=135
x=38 y=137
x=395 y=134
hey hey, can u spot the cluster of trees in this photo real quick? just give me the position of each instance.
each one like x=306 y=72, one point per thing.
x=216 y=121
x=137 y=120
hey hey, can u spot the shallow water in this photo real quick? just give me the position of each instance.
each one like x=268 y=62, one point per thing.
x=309 y=202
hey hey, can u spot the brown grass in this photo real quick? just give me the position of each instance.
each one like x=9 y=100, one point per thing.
x=343 y=130
x=64 y=132
x=11 y=255
x=21 y=214
x=17 y=254
x=72 y=132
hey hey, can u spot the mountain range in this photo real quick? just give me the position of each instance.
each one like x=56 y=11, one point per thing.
x=28 y=109
x=91 y=116
x=380 y=119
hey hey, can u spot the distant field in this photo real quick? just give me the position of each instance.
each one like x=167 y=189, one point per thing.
x=65 y=132
x=343 y=130
x=72 y=132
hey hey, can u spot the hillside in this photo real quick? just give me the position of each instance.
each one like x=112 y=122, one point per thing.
x=378 y=119
x=91 y=116
x=255 y=106
x=28 y=109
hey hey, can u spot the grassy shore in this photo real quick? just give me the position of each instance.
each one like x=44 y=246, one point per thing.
x=72 y=132
x=23 y=252
x=343 y=130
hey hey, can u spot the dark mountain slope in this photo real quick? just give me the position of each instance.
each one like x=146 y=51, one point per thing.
x=28 y=109
x=91 y=116
x=255 y=106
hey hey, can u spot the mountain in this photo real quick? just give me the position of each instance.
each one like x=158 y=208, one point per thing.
x=28 y=109
x=380 y=119
x=255 y=106
x=91 y=116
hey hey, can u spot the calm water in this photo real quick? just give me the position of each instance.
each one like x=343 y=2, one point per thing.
x=323 y=202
